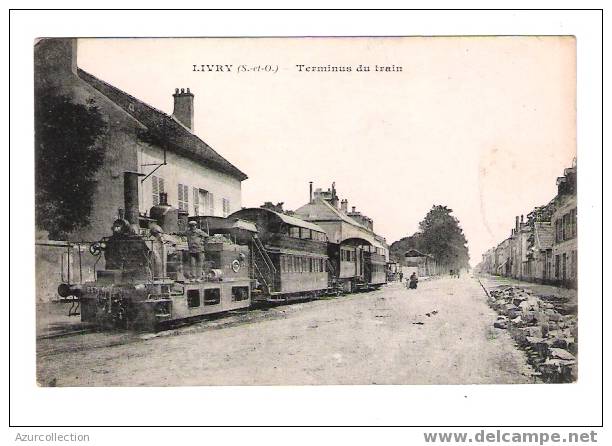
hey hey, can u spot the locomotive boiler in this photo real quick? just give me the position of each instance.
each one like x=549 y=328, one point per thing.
x=154 y=272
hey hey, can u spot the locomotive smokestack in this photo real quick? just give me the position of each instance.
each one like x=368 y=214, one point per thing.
x=130 y=196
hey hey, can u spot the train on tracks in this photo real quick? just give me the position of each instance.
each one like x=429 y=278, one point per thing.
x=150 y=272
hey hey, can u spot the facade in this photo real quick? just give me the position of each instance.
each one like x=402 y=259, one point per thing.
x=502 y=261
x=518 y=248
x=327 y=211
x=356 y=253
x=564 y=222
x=163 y=148
x=487 y=264
x=544 y=248
x=540 y=252
x=423 y=264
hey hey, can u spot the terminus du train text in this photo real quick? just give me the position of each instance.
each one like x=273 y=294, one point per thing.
x=300 y=68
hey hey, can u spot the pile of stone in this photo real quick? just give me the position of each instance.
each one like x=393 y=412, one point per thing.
x=541 y=326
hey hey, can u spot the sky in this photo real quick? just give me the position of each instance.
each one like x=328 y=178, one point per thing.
x=483 y=125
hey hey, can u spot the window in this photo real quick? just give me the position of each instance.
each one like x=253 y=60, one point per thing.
x=211 y=203
x=557 y=261
x=294 y=231
x=158 y=187
x=212 y=296
x=305 y=233
x=564 y=277
x=240 y=293
x=193 y=298
x=196 y=201
x=558 y=231
x=346 y=255
x=226 y=207
x=573 y=226
x=183 y=198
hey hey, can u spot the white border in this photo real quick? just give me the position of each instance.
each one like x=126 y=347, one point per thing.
x=577 y=404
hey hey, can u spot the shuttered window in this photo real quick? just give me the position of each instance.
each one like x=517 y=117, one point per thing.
x=196 y=201
x=158 y=187
x=183 y=198
x=211 y=202
x=226 y=207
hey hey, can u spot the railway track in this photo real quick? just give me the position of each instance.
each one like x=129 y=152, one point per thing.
x=67 y=332
x=79 y=338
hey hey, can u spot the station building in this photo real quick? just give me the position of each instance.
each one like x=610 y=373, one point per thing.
x=422 y=264
x=355 y=250
x=173 y=159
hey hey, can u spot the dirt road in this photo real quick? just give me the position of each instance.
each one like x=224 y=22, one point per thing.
x=441 y=333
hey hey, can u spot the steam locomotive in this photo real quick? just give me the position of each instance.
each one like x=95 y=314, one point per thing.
x=152 y=276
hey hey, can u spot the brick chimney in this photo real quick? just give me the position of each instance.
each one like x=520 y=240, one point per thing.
x=344 y=205
x=183 y=107
x=54 y=61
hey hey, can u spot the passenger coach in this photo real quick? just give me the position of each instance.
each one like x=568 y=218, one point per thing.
x=289 y=255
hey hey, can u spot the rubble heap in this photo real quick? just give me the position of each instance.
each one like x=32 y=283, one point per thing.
x=542 y=326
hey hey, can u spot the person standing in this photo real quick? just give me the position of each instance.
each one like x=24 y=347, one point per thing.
x=414 y=280
x=195 y=242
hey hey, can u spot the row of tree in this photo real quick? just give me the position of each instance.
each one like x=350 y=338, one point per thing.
x=439 y=235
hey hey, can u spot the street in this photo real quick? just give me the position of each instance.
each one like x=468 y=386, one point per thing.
x=441 y=333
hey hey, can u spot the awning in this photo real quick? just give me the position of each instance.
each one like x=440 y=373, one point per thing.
x=287 y=219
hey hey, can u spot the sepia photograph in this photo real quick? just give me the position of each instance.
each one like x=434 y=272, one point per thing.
x=306 y=211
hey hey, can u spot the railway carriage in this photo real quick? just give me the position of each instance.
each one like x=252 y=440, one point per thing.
x=288 y=255
x=375 y=262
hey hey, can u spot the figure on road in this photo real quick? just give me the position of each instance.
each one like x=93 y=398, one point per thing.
x=414 y=280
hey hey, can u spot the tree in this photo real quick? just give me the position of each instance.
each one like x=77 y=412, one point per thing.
x=440 y=236
x=68 y=155
x=443 y=237
x=398 y=248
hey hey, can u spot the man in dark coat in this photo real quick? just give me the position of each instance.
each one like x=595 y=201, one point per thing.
x=413 y=281
x=195 y=241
